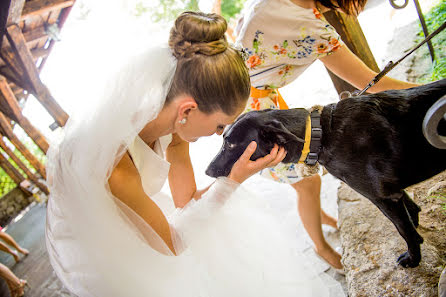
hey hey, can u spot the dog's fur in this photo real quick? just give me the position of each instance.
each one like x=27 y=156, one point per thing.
x=374 y=143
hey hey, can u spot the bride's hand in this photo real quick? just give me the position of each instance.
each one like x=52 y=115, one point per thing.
x=244 y=167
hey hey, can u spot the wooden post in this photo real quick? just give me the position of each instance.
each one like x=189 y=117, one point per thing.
x=39 y=7
x=22 y=166
x=10 y=170
x=351 y=33
x=8 y=101
x=24 y=60
x=6 y=128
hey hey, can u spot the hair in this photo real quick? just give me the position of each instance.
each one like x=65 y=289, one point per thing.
x=350 y=7
x=208 y=69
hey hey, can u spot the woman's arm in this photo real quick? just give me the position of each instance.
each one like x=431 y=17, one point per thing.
x=181 y=174
x=125 y=184
x=353 y=70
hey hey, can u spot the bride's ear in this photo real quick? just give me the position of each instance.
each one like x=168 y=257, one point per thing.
x=186 y=104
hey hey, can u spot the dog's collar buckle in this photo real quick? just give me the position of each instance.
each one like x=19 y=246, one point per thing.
x=311 y=159
x=316 y=133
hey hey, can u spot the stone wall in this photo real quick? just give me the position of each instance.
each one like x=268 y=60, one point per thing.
x=371 y=245
x=12 y=204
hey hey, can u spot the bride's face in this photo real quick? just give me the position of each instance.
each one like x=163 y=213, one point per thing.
x=200 y=124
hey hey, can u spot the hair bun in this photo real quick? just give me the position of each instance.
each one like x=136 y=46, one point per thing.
x=198 y=33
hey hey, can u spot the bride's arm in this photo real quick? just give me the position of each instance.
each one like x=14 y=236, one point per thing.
x=125 y=184
x=181 y=173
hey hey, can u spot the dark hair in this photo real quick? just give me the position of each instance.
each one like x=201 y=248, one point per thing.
x=351 y=7
x=208 y=69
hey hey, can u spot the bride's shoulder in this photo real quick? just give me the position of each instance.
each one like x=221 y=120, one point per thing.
x=124 y=173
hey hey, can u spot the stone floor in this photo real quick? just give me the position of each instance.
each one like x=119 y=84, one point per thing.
x=29 y=232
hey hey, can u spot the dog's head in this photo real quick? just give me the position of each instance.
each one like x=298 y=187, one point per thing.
x=264 y=127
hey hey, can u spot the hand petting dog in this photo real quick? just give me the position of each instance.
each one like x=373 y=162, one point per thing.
x=244 y=167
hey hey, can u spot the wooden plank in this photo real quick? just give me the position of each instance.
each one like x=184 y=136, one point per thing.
x=38 y=7
x=6 y=128
x=22 y=166
x=4 y=13
x=39 y=90
x=15 y=11
x=8 y=100
x=11 y=76
x=35 y=34
x=351 y=33
x=10 y=170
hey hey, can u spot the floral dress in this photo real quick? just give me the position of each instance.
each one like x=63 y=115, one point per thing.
x=280 y=40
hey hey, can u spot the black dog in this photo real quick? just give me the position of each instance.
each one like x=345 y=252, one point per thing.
x=374 y=143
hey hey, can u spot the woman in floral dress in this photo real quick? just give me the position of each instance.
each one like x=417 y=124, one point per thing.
x=281 y=39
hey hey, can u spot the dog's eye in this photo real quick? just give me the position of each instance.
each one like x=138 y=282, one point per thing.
x=230 y=145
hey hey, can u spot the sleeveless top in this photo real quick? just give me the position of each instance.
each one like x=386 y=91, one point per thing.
x=150 y=163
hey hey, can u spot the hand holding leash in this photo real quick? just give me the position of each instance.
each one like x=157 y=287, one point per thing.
x=244 y=167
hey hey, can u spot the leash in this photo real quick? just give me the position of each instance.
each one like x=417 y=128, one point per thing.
x=392 y=65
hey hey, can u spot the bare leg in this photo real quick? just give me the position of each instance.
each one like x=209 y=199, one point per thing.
x=9 y=240
x=15 y=285
x=5 y=248
x=328 y=220
x=309 y=208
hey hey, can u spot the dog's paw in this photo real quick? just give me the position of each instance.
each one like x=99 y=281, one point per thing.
x=406 y=260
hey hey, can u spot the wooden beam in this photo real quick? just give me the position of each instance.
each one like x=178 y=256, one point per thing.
x=38 y=7
x=22 y=166
x=6 y=128
x=15 y=11
x=351 y=33
x=39 y=90
x=37 y=53
x=10 y=170
x=7 y=99
x=35 y=34
x=11 y=76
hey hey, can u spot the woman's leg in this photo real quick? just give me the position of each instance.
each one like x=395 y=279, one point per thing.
x=9 y=240
x=5 y=248
x=15 y=285
x=309 y=208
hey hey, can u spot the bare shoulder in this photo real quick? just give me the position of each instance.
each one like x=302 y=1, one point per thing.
x=124 y=177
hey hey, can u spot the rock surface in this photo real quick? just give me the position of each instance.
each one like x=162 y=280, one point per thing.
x=371 y=245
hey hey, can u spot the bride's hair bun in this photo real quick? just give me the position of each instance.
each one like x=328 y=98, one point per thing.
x=198 y=33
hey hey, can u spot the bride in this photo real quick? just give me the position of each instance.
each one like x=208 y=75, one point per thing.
x=106 y=234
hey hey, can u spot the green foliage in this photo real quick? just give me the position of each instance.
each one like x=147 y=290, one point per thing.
x=231 y=8
x=435 y=18
x=6 y=183
x=168 y=10
x=442 y=196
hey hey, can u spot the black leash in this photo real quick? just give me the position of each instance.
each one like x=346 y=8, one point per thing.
x=392 y=65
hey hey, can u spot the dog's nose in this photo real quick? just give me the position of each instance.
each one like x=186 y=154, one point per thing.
x=210 y=172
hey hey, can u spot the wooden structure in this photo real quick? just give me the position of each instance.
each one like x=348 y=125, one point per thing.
x=351 y=33
x=28 y=31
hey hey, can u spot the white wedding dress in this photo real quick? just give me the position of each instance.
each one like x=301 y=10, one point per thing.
x=228 y=244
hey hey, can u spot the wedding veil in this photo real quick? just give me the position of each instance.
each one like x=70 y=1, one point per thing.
x=81 y=210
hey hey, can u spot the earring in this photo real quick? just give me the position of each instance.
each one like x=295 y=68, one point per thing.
x=182 y=121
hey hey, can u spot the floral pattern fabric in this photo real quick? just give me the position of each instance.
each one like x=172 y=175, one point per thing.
x=279 y=40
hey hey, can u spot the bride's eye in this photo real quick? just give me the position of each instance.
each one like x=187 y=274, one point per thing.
x=220 y=127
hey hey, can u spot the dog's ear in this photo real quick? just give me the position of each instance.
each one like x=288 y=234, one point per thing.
x=276 y=131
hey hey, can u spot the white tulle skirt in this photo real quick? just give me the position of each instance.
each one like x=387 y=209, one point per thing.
x=234 y=246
